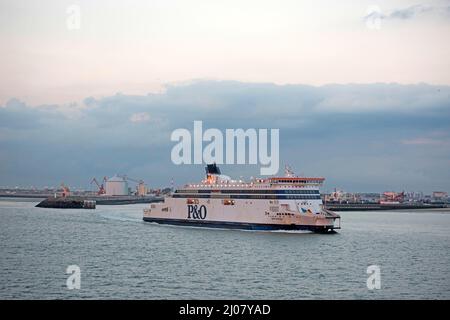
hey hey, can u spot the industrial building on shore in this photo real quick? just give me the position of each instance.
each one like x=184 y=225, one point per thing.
x=116 y=186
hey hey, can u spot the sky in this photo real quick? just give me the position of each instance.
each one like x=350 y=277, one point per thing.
x=360 y=90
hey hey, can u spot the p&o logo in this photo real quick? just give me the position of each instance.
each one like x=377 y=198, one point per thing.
x=196 y=212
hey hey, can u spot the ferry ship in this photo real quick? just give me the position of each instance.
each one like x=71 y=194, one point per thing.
x=274 y=203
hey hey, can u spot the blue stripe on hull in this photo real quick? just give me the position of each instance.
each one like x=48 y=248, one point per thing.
x=238 y=225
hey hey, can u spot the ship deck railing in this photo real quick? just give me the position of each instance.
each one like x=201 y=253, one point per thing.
x=334 y=215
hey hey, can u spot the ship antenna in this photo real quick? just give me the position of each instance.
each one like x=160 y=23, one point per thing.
x=288 y=171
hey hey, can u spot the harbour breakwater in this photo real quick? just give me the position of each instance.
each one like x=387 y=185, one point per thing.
x=378 y=206
x=75 y=202
x=67 y=203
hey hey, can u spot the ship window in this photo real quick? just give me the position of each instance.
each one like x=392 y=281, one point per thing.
x=228 y=202
x=192 y=201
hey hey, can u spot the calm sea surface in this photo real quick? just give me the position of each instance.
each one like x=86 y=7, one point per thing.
x=122 y=257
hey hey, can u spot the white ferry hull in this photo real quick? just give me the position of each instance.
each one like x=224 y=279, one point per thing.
x=257 y=215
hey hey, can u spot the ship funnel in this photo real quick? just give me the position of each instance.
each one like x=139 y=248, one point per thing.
x=212 y=169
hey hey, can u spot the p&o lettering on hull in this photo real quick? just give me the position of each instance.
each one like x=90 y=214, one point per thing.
x=196 y=212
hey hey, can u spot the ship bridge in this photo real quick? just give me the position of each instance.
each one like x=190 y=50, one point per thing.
x=296 y=180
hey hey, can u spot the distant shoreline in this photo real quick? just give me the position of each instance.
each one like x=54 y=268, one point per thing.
x=335 y=207
x=383 y=207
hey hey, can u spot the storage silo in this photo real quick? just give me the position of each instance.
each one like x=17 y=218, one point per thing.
x=141 y=189
x=116 y=186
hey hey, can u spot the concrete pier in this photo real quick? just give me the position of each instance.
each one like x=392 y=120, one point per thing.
x=377 y=206
x=67 y=203
x=79 y=202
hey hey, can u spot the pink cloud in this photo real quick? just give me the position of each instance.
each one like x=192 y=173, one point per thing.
x=425 y=141
x=140 y=117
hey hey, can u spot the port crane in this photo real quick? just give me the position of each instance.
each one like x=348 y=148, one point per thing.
x=101 y=188
x=125 y=177
x=65 y=190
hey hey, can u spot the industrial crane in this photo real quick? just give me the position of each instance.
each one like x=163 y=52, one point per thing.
x=101 y=188
x=65 y=190
x=125 y=177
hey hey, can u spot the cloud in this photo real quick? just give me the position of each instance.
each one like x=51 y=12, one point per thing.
x=411 y=12
x=353 y=127
x=425 y=141
x=407 y=13
x=140 y=117
x=434 y=138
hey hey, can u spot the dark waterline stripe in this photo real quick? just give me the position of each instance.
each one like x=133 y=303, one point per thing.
x=238 y=225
